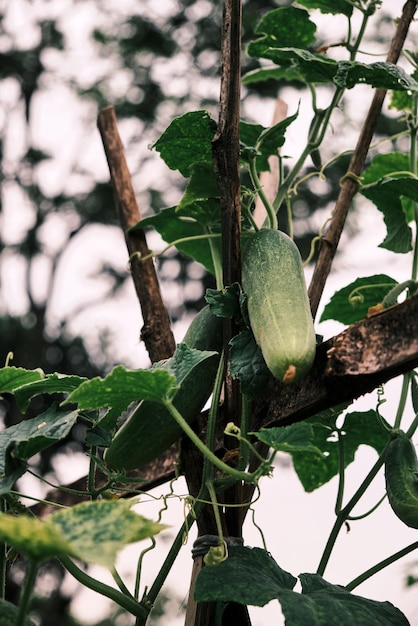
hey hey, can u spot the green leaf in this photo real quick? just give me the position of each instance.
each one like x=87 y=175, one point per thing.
x=403 y=100
x=251 y=576
x=224 y=302
x=11 y=378
x=247 y=364
x=201 y=186
x=9 y=614
x=381 y=75
x=285 y=27
x=297 y=437
x=26 y=384
x=96 y=531
x=248 y=576
x=93 y=532
x=393 y=194
x=350 y=304
x=386 y=194
x=186 y=141
x=266 y=141
x=325 y=6
x=385 y=165
x=308 y=67
x=20 y=442
x=358 y=429
x=123 y=386
x=271 y=139
x=324 y=604
x=195 y=219
x=30 y=536
x=52 y=383
x=165 y=379
x=268 y=73
x=184 y=360
x=99 y=435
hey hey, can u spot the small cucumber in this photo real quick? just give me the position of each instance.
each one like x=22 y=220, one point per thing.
x=401 y=475
x=150 y=429
x=278 y=305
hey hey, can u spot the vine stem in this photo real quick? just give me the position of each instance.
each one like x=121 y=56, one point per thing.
x=345 y=512
x=402 y=400
x=3 y=559
x=381 y=565
x=92 y=473
x=211 y=424
x=216 y=260
x=126 y=602
x=271 y=213
x=341 y=473
x=207 y=453
x=155 y=589
x=27 y=592
x=215 y=507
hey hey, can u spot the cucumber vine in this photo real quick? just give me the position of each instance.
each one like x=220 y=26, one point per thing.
x=322 y=443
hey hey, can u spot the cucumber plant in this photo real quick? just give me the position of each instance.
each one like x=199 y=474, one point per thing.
x=275 y=340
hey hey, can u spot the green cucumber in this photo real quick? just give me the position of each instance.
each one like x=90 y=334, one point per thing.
x=401 y=476
x=150 y=429
x=278 y=305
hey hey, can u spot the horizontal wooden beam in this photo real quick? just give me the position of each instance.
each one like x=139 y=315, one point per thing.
x=354 y=362
x=351 y=364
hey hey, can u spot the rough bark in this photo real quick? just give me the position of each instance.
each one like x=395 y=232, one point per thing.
x=156 y=331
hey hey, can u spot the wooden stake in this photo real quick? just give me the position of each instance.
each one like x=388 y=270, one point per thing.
x=156 y=332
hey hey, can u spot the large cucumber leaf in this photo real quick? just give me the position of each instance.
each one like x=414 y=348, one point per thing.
x=286 y=26
x=123 y=386
x=186 y=141
x=93 y=532
x=359 y=428
x=394 y=195
x=20 y=442
x=352 y=303
x=251 y=576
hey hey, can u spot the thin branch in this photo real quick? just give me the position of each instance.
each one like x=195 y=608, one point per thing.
x=156 y=332
x=349 y=187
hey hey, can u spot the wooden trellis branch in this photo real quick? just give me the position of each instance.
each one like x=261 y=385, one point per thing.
x=156 y=332
x=329 y=243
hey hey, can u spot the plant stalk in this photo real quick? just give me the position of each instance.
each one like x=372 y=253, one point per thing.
x=26 y=594
x=345 y=512
x=381 y=565
x=126 y=602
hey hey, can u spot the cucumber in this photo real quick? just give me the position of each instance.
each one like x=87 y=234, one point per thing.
x=150 y=429
x=401 y=476
x=278 y=305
